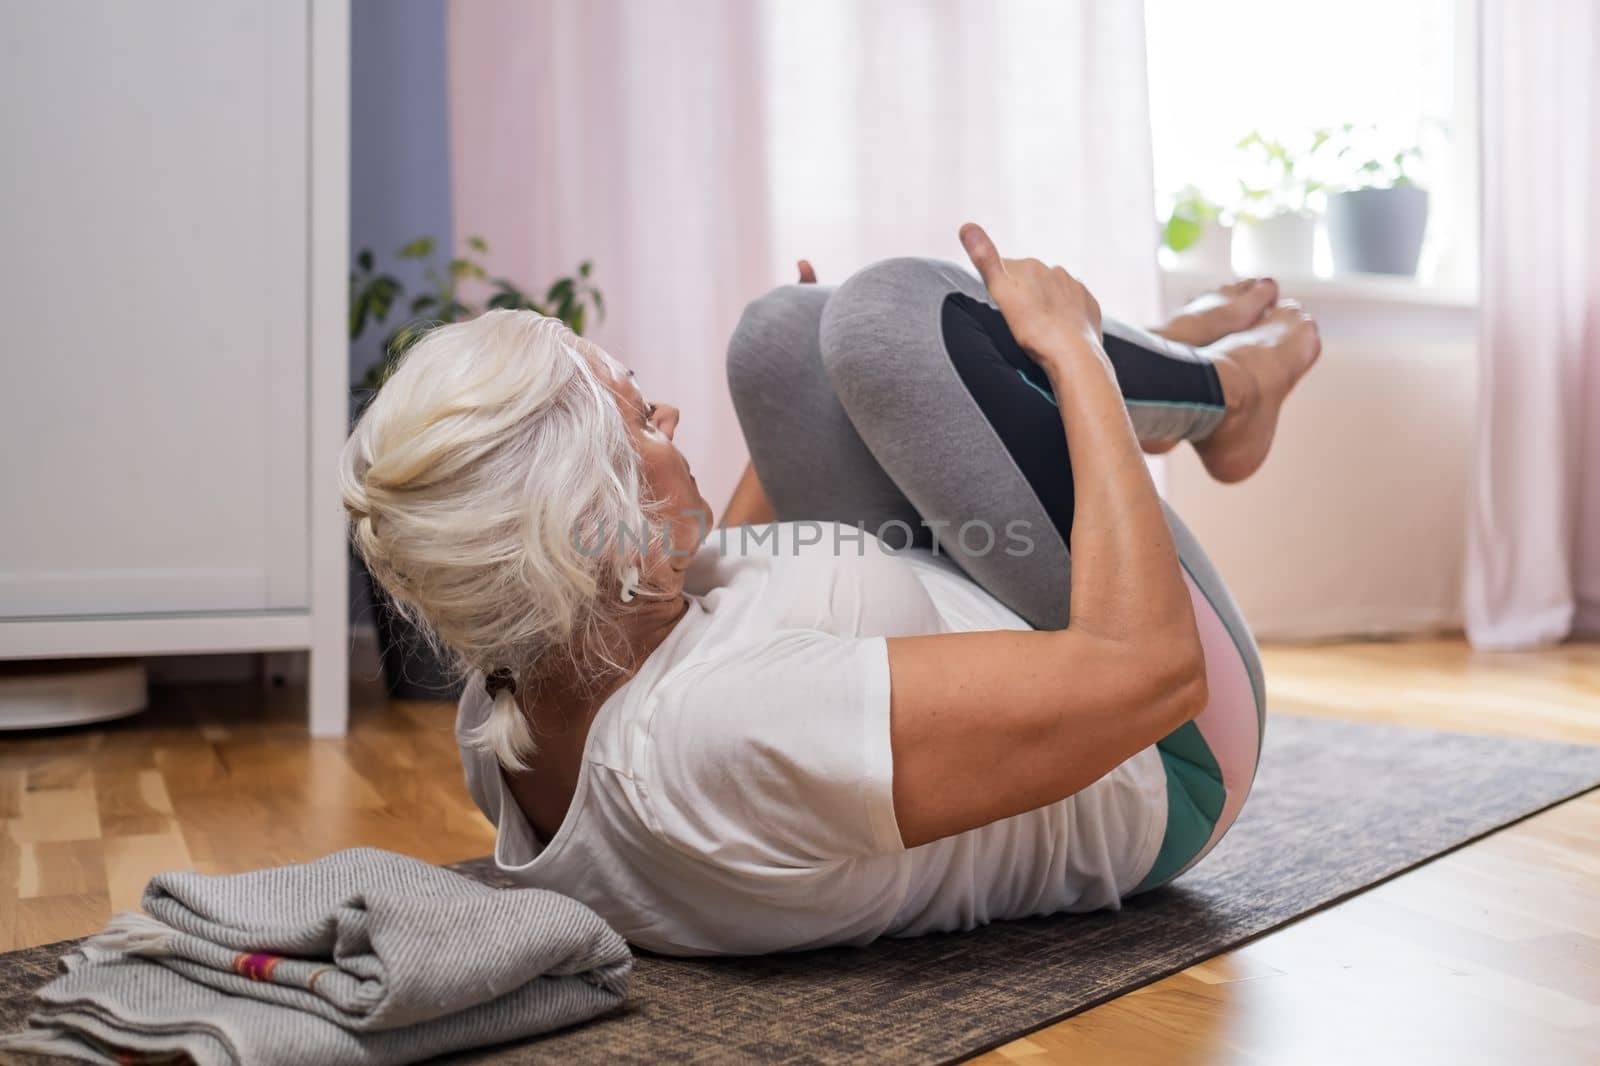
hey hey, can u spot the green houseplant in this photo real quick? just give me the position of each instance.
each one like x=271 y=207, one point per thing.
x=374 y=295
x=1276 y=218
x=1196 y=232
x=1377 y=213
x=455 y=288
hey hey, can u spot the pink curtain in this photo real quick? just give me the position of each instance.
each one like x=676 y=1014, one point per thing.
x=695 y=149
x=1534 y=540
x=629 y=134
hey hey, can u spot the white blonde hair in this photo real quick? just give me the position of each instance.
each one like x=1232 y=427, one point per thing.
x=476 y=482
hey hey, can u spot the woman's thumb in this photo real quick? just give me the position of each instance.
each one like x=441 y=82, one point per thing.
x=982 y=252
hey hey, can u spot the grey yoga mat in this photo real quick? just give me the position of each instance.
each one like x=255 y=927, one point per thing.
x=1338 y=807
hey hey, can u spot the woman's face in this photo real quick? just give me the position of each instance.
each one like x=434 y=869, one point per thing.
x=651 y=426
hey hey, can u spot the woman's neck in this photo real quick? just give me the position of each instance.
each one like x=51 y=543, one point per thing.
x=563 y=710
x=562 y=700
x=651 y=624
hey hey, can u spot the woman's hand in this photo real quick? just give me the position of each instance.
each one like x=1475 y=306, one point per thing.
x=1049 y=311
x=808 y=274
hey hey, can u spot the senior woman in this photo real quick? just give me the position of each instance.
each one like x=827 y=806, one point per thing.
x=878 y=700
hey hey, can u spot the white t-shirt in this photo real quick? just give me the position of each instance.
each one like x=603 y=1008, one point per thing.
x=735 y=795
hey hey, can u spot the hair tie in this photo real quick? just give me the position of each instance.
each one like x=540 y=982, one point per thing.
x=499 y=679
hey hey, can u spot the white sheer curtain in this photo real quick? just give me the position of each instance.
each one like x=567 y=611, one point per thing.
x=695 y=149
x=890 y=124
x=1534 y=540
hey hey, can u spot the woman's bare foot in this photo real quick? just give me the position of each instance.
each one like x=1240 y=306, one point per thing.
x=1258 y=367
x=1207 y=319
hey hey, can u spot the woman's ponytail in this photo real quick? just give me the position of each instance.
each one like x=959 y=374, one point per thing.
x=505 y=732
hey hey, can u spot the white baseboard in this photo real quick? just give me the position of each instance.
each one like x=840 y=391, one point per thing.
x=1365 y=622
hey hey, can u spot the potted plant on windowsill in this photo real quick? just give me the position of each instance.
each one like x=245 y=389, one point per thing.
x=1377 y=216
x=1275 y=225
x=1197 y=235
x=411 y=668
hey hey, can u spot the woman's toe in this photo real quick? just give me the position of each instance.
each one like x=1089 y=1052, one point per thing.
x=1248 y=301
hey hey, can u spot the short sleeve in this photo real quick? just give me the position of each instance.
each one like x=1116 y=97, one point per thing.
x=775 y=754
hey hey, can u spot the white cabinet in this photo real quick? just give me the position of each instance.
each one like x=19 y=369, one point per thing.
x=173 y=225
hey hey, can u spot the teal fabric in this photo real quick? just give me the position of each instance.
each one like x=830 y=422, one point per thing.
x=1175 y=404
x=1195 y=796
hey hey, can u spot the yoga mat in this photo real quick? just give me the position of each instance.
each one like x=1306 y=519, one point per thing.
x=1337 y=807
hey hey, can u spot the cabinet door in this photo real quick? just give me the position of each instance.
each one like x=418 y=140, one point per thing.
x=153 y=293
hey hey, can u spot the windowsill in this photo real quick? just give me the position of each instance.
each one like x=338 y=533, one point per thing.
x=1342 y=288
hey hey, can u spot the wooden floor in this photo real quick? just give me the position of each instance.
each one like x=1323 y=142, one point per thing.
x=1488 y=955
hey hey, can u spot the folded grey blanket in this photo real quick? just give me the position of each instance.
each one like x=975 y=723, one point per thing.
x=364 y=956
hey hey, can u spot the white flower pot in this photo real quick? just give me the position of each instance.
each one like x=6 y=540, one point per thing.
x=1282 y=245
x=1212 y=253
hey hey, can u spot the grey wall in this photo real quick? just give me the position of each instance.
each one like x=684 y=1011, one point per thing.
x=399 y=155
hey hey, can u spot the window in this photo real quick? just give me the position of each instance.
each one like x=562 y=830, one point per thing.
x=1402 y=72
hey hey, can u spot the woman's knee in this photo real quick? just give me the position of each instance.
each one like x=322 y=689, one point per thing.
x=883 y=322
x=775 y=341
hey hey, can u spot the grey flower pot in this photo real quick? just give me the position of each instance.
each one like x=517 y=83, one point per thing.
x=411 y=670
x=1377 y=231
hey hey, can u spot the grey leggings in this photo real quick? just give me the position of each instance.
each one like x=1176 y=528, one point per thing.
x=859 y=404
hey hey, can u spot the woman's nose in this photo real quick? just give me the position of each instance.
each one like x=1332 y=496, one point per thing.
x=667 y=419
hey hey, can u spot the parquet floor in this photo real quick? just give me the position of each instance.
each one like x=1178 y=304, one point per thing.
x=1488 y=955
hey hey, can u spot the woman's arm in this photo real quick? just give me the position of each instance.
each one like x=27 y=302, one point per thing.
x=985 y=726
x=749 y=505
